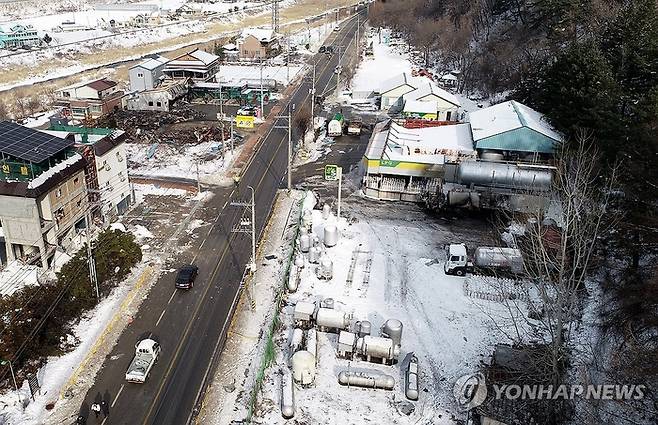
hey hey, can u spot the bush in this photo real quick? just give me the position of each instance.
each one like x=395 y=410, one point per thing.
x=72 y=294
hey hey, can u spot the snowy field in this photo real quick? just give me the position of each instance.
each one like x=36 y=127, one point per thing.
x=181 y=160
x=449 y=332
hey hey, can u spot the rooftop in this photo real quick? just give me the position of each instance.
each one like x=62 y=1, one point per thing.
x=422 y=145
x=429 y=88
x=102 y=84
x=507 y=116
x=29 y=144
x=195 y=57
x=151 y=64
x=262 y=34
x=417 y=106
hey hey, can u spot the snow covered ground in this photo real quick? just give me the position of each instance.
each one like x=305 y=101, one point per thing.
x=181 y=161
x=449 y=332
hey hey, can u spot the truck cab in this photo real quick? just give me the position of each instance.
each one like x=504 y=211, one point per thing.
x=457 y=262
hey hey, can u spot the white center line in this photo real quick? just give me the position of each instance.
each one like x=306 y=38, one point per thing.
x=104 y=420
x=202 y=244
x=233 y=191
x=160 y=318
x=172 y=297
x=225 y=204
x=193 y=259
x=117 y=396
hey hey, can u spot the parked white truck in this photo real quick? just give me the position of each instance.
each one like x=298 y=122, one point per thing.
x=146 y=354
x=484 y=258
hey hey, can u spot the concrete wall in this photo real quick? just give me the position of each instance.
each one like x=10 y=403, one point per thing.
x=251 y=48
x=20 y=219
x=149 y=102
x=112 y=170
x=391 y=97
x=144 y=79
x=68 y=202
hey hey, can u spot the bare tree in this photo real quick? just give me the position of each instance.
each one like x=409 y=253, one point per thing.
x=4 y=113
x=559 y=265
x=302 y=120
x=33 y=105
x=20 y=107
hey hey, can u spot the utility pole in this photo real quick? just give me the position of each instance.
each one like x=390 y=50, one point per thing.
x=275 y=15
x=232 y=118
x=221 y=112
x=313 y=99
x=248 y=225
x=91 y=263
x=288 y=58
x=291 y=107
x=13 y=377
x=262 y=110
x=340 y=69
x=340 y=184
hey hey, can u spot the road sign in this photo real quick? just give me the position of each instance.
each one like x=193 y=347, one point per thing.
x=244 y=121
x=331 y=172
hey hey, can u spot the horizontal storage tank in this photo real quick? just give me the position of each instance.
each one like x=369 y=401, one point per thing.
x=411 y=384
x=504 y=175
x=491 y=155
x=392 y=328
x=373 y=346
x=460 y=198
x=312 y=342
x=330 y=235
x=498 y=257
x=303 y=367
x=366 y=379
x=327 y=318
x=296 y=339
x=287 y=395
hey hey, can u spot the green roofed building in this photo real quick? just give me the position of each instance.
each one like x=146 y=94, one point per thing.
x=511 y=130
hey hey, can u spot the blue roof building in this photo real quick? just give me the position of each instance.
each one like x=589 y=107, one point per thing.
x=18 y=35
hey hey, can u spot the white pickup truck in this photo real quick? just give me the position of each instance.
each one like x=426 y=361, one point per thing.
x=146 y=354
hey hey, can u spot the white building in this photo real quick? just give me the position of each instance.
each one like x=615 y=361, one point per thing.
x=445 y=104
x=146 y=75
x=393 y=89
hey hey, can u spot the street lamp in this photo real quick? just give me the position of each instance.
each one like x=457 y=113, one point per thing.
x=13 y=377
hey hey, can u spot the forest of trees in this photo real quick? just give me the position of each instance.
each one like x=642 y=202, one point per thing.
x=591 y=66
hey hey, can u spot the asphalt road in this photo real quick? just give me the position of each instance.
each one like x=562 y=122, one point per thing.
x=191 y=325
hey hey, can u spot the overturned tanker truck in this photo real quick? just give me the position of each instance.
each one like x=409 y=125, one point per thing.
x=493 y=185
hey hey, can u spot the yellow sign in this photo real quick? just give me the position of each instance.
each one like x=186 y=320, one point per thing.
x=24 y=170
x=5 y=168
x=244 y=121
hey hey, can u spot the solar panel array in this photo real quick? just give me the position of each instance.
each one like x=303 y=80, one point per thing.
x=29 y=144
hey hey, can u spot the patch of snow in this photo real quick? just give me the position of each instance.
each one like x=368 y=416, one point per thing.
x=141 y=232
x=118 y=226
x=41 y=178
x=17 y=275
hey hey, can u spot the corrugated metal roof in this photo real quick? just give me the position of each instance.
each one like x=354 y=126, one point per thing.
x=522 y=139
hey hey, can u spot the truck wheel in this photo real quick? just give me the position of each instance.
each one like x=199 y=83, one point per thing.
x=460 y=272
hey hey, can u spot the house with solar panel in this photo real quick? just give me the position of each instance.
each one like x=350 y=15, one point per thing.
x=43 y=193
x=513 y=131
x=91 y=99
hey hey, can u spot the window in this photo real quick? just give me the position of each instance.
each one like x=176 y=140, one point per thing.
x=76 y=181
x=140 y=75
x=58 y=193
x=95 y=108
x=150 y=103
x=448 y=116
x=159 y=103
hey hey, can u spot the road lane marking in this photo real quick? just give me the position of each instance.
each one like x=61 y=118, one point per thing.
x=160 y=318
x=212 y=277
x=116 y=397
x=194 y=258
x=202 y=244
x=172 y=297
x=225 y=204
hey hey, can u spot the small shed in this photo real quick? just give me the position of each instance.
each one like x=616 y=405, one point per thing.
x=391 y=90
x=346 y=344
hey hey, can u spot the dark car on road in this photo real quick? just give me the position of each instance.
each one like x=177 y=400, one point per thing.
x=186 y=275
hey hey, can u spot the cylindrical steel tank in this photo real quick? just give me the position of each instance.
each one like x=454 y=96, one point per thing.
x=296 y=339
x=374 y=346
x=497 y=257
x=326 y=268
x=304 y=243
x=504 y=175
x=392 y=328
x=307 y=219
x=287 y=395
x=293 y=281
x=330 y=235
x=303 y=367
x=460 y=198
x=326 y=212
x=312 y=342
x=327 y=318
x=327 y=303
x=299 y=261
x=411 y=384
x=363 y=328
x=366 y=379
x=315 y=240
x=314 y=255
